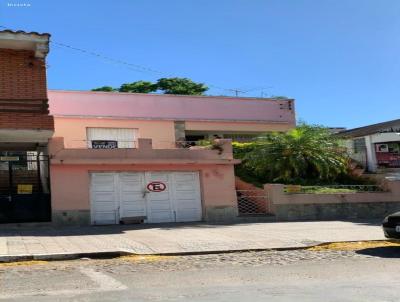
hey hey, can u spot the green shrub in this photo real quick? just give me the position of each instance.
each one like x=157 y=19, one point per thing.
x=306 y=155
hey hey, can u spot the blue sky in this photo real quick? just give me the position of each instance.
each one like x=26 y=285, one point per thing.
x=340 y=59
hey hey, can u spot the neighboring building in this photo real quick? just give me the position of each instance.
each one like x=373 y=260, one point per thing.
x=115 y=156
x=334 y=130
x=377 y=146
x=25 y=127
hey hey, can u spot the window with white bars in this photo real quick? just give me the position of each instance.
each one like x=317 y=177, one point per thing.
x=125 y=137
x=31 y=157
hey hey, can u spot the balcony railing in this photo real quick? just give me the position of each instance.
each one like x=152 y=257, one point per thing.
x=141 y=151
x=133 y=144
x=100 y=144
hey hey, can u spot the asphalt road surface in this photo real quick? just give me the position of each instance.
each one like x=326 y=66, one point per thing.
x=367 y=275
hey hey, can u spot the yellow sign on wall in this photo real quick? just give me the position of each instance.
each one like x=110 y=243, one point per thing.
x=9 y=158
x=25 y=189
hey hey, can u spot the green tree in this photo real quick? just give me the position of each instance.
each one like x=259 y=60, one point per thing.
x=300 y=155
x=105 y=88
x=138 y=87
x=181 y=86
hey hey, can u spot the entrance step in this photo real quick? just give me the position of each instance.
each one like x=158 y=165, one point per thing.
x=256 y=218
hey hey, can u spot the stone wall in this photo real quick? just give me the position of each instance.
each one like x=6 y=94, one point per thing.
x=71 y=217
x=334 y=211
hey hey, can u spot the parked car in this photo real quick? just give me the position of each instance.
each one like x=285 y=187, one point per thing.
x=391 y=226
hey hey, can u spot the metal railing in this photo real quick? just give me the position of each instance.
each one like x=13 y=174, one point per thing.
x=184 y=144
x=133 y=144
x=118 y=144
x=332 y=189
x=252 y=202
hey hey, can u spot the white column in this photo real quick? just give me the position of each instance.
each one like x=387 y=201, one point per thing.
x=371 y=156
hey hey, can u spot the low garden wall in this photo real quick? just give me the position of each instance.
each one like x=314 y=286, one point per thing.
x=329 y=206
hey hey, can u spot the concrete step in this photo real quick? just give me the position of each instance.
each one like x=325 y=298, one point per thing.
x=257 y=218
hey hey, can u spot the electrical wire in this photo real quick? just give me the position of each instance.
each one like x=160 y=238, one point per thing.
x=137 y=67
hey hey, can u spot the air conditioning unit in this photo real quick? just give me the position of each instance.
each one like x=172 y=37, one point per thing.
x=382 y=148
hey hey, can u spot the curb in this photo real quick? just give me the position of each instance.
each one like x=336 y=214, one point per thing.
x=64 y=256
x=116 y=254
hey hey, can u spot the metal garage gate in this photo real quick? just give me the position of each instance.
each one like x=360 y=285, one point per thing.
x=153 y=197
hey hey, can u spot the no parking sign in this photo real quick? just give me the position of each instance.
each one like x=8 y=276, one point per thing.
x=156 y=186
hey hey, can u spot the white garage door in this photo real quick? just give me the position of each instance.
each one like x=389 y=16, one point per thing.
x=104 y=198
x=154 y=196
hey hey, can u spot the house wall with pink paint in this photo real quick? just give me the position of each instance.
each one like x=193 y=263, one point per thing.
x=167 y=118
x=171 y=107
x=71 y=203
x=71 y=171
x=157 y=122
x=73 y=129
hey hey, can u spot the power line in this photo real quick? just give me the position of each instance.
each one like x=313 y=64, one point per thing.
x=137 y=67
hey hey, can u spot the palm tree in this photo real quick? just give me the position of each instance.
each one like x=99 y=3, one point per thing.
x=304 y=153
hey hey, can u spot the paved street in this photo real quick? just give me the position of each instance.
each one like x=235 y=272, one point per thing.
x=369 y=274
x=181 y=238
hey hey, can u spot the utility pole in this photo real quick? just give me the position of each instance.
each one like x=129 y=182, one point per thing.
x=236 y=91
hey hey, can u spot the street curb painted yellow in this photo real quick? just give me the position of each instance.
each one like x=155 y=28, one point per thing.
x=24 y=263
x=353 y=245
x=158 y=256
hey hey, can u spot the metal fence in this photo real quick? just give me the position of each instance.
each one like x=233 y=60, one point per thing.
x=24 y=187
x=184 y=144
x=252 y=202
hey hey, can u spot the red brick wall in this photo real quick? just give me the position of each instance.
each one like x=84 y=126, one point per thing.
x=11 y=120
x=22 y=76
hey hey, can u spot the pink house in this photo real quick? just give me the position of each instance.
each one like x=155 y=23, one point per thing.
x=123 y=157
x=105 y=158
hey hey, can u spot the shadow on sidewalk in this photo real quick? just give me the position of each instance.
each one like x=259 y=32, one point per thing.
x=49 y=230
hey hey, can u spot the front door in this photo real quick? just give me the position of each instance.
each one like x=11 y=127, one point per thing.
x=24 y=190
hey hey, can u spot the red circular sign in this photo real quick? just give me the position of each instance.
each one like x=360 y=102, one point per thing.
x=156 y=186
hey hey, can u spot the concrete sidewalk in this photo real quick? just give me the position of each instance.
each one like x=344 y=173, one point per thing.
x=50 y=243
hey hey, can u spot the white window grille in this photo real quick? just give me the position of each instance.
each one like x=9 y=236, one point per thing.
x=125 y=137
